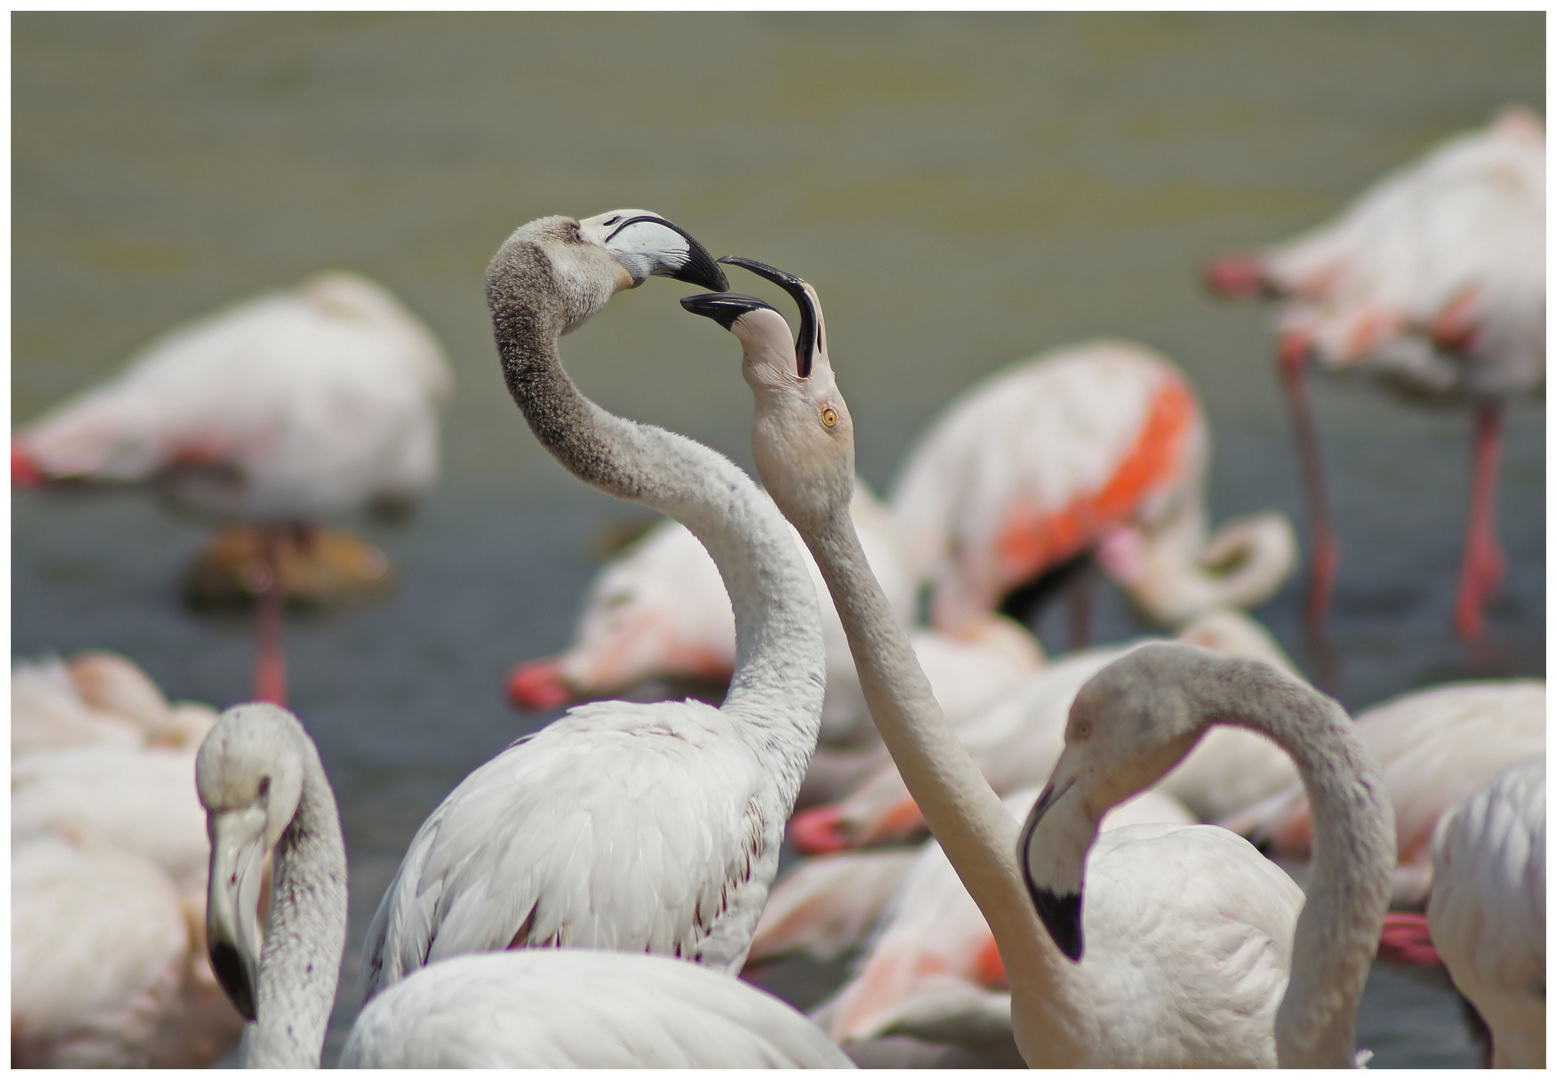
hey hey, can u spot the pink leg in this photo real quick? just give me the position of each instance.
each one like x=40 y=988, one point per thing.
x=270 y=667
x=1482 y=571
x=1293 y=355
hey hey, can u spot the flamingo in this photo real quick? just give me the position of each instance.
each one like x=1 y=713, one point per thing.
x=99 y=698
x=293 y=406
x=108 y=964
x=1017 y=741
x=659 y=609
x=1436 y=747
x=1488 y=909
x=108 y=868
x=641 y=827
x=933 y=970
x=265 y=791
x=1435 y=279
x=1193 y=907
x=1095 y=446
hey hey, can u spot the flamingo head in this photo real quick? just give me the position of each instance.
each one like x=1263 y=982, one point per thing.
x=587 y=261
x=1128 y=726
x=250 y=779
x=802 y=437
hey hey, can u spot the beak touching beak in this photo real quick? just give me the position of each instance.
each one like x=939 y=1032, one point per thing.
x=648 y=245
x=232 y=903
x=809 y=341
x=1059 y=910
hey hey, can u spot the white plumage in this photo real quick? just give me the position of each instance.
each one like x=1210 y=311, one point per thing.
x=548 y=1009
x=295 y=405
x=1488 y=909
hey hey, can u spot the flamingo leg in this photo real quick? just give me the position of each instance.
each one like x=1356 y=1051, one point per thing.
x=270 y=666
x=1482 y=570
x=1326 y=555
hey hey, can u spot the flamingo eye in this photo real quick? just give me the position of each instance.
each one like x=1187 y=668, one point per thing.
x=1083 y=730
x=264 y=786
x=829 y=416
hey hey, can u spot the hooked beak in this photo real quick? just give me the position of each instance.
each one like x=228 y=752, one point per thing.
x=648 y=245
x=809 y=341
x=723 y=308
x=1060 y=912
x=232 y=903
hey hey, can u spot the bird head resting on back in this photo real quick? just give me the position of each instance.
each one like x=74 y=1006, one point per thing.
x=801 y=419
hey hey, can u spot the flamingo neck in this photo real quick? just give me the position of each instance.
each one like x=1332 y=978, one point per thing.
x=305 y=935
x=1354 y=854
x=1182 y=574
x=976 y=831
x=780 y=668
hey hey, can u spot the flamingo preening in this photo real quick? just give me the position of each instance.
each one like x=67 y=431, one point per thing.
x=292 y=407
x=1435 y=279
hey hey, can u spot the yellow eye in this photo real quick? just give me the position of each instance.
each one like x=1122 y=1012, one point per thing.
x=829 y=416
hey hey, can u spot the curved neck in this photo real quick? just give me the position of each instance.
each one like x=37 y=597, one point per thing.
x=977 y=832
x=305 y=935
x=1354 y=854
x=1247 y=563
x=780 y=668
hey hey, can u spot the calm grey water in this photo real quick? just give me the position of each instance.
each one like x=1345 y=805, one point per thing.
x=963 y=190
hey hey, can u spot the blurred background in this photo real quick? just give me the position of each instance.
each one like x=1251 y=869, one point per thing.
x=963 y=190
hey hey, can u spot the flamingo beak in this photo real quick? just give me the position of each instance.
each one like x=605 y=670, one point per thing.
x=646 y=245
x=724 y=308
x=809 y=341
x=1043 y=863
x=232 y=903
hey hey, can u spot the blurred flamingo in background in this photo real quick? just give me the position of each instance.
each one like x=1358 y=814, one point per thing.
x=1435 y=278
x=291 y=407
x=1097 y=447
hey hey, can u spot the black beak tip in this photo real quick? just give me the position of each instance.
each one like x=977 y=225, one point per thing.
x=1061 y=915
x=234 y=976
x=724 y=308
x=701 y=269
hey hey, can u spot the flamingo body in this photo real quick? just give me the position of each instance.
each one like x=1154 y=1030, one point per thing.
x=660 y=609
x=293 y=406
x=579 y=1008
x=1488 y=909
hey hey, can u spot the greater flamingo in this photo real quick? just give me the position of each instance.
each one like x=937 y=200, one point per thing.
x=287 y=408
x=98 y=698
x=265 y=791
x=1488 y=909
x=1095 y=446
x=1017 y=740
x=1435 y=278
x=108 y=866
x=1063 y=1013
x=659 y=609
x=1435 y=747
x=932 y=970
x=641 y=827
x=108 y=965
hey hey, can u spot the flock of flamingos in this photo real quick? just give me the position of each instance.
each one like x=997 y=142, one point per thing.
x=588 y=896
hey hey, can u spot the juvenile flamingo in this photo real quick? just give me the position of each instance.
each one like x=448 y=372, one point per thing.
x=640 y=827
x=1435 y=279
x=294 y=406
x=1100 y=446
x=1063 y=1013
